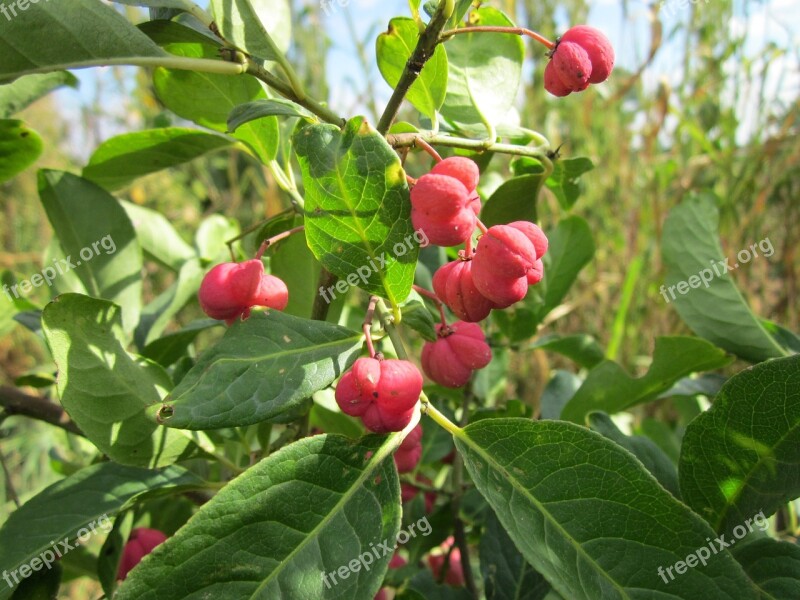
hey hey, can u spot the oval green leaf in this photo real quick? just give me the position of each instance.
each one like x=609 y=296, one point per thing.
x=773 y=566
x=20 y=93
x=290 y=527
x=548 y=481
x=742 y=456
x=98 y=240
x=103 y=388
x=610 y=389
x=56 y=514
x=120 y=160
x=394 y=48
x=262 y=368
x=716 y=311
x=358 y=213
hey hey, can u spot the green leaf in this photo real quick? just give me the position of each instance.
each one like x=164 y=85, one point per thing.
x=53 y=36
x=717 y=312
x=484 y=71
x=741 y=456
x=506 y=573
x=111 y=553
x=170 y=348
x=514 y=200
x=786 y=338
x=92 y=494
x=103 y=388
x=208 y=98
x=121 y=159
x=158 y=237
x=650 y=455
x=211 y=235
x=294 y=263
x=394 y=48
x=610 y=389
x=558 y=391
x=358 y=214
x=772 y=565
x=157 y=315
x=548 y=481
x=571 y=249
x=261 y=27
x=258 y=109
x=24 y=91
x=262 y=368
x=417 y=316
x=581 y=348
x=349 y=497
x=563 y=182
x=97 y=236
x=20 y=146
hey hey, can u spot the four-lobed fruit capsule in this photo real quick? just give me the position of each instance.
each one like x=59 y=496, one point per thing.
x=583 y=55
x=460 y=349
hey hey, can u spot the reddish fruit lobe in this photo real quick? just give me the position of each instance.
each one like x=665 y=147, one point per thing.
x=460 y=349
x=141 y=542
x=407 y=456
x=454 y=286
x=229 y=290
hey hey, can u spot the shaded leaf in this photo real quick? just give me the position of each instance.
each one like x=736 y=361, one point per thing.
x=773 y=566
x=261 y=27
x=548 y=481
x=610 y=389
x=266 y=107
x=262 y=368
x=563 y=182
x=24 y=91
x=158 y=237
x=20 y=146
x=350 y=503
x=743 y=455
x=514 y=200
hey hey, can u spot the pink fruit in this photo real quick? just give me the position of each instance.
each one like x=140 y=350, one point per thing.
x=407 y=456
x=439 y=197
x=460 y=349
x=272 y=293
x=505 y=251
x=226 y=289
x=553 y=83
x=437 y=559
x=382 y=392
x=461 y=168
x=535 y=234
x=454 y=286
x=450 y=232
x=597 y=47
x=141 y=542
x=382 y=595
x=572 y=65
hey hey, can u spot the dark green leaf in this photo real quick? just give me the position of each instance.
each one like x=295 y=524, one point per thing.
x=358 y=212
x=506 y=573
x=288 y=522
x=394 y=48
x=168 y=349
x=96 y=234
x=610 y=389
x=716 y=311
x=20 y=93
x=258 y=109
x=20 y=146
x=581 y=348
x=207 y=99
x=558 y=391
x=92 y=494
x=786 y=338
x=103 y=388
x=121 y=159
x=515 y=200
x=743 y=455
x=548 y=481
x=773 y=566
x=650 y=455
x=53 y=36
x=262 y=368
x=563 y=182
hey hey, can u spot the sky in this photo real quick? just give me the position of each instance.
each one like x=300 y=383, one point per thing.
x=773 y=20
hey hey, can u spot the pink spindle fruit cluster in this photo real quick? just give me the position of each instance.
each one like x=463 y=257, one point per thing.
x=583 y=55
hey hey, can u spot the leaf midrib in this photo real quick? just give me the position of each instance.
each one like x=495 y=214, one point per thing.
x=464 y=437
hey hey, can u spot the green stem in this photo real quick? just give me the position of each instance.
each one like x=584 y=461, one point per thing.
x=422 y=53
x=405 y=140
x=286 y=90
x=500 y=29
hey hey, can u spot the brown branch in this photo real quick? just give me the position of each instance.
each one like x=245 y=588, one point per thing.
x=16 y=402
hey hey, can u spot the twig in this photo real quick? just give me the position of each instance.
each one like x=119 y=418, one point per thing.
x=426 y=45
x=16 y=402
x=458 y=530
x=319 y=311
x=499 y=29
x=277 y=238
x=367 y=327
